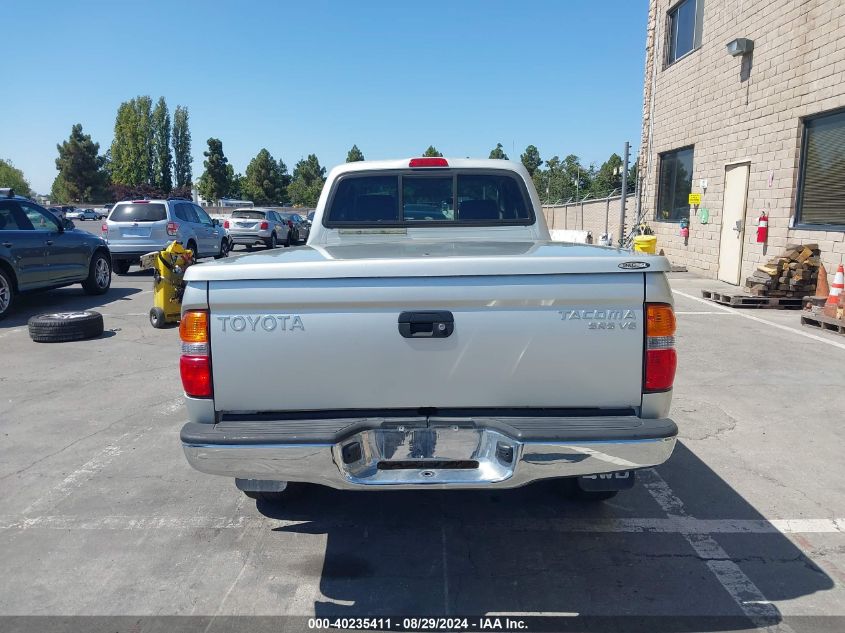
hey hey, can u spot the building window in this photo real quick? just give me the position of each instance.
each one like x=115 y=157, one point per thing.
x=674 y=185
x=821 y=186
x=684 y=29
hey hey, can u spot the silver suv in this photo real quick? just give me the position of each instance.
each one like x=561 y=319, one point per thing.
x=136 y=227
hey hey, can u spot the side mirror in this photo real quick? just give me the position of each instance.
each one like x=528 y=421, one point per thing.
x=215 y=222
x=67 y=225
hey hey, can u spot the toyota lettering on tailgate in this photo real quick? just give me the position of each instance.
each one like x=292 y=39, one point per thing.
x=266 y=322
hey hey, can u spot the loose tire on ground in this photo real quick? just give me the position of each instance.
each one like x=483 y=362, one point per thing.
x=60 y=327
x=99 y=275
x=157 y=318
x=7 y=293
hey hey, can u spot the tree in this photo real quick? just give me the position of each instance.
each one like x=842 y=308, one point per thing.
x=265 y=182
x=354 y=155
x=162 y=158
x=307 y=183
x=498 y=152
x=58 y=191
x=11 y=176
x=80 y=166
x=132 y=147
x=236 y=183
x=432 y=151
x=608 y=177
x=214 y=183
x=182 y=158
x=531 y=159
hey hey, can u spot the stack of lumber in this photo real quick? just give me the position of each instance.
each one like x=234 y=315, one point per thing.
x=793 y=273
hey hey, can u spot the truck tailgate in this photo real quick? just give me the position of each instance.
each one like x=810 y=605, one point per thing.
x=549 y=340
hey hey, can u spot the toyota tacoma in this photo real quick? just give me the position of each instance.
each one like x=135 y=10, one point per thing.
x=429 y=335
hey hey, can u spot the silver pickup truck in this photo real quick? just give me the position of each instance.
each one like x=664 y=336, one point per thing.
x=429 y=335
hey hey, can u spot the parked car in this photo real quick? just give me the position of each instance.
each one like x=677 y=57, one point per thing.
x=300 y=227
x=40 y=251
x=265 y=227
x=136 y=227
x=433 y=342
x=83 y=214
x=103 y=213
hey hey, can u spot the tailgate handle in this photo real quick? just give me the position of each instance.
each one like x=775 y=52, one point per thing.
x=427 y=324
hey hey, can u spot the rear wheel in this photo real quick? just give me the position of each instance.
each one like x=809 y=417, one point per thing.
x=7 y=293
x=293 y=490
x=120 y=266
x=287 y=240
x=272 y=243
x=99 y=275
x=570 y=489
x=192 y=246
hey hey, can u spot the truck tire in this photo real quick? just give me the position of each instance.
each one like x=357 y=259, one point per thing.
x=570 y=489
x=7 y=293
x=99 y=275
x=294 y=490
x=59 y=327
x=120 y=266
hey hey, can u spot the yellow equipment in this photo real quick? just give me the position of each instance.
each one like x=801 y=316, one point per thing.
x=645 y=244
x=168 y=286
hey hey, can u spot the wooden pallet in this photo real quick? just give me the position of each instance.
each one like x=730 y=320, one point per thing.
x=740 y=300
x=823 y=322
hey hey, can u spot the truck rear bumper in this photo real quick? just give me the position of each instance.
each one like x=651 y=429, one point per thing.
x=436 y=454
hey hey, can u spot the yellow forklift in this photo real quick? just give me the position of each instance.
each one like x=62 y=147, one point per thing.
x=168 y=282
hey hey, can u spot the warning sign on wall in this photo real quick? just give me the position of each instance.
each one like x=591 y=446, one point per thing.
x=695 y=199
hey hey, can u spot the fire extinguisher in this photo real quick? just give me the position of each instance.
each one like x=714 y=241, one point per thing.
x=762 y=228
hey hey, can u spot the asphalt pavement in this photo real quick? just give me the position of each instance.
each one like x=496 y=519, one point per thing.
x=101 y=515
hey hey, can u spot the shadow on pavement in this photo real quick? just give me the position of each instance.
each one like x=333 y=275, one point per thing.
x=467 y=552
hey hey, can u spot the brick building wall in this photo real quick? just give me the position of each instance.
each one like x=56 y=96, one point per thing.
x=797 y=69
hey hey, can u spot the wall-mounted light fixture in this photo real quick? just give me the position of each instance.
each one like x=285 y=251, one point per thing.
x=740 y=46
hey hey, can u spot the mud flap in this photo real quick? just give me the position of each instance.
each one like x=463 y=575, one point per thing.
x=621 y=480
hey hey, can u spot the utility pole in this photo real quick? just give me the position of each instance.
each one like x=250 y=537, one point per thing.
x=624 y=198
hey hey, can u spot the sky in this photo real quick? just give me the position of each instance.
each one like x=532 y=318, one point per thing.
x=318 y=76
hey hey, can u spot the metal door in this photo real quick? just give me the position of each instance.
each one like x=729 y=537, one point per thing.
x=733 y=222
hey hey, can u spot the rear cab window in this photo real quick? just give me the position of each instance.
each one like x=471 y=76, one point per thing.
x=444 y=198
x=138 y=212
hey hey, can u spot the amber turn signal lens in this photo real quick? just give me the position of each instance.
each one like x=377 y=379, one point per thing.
x=193 y=328
x=660 y=320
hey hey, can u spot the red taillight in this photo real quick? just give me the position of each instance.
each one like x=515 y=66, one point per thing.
x=290 y=223
x=661 y=360
x=660 y=366
x=225 y=224
x=264 y=226
x=195 y=363
x=428 y=162
x=172 y=228
x=196 y=376
x=104 y=228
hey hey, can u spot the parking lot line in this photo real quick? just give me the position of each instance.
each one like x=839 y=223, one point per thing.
x=786 y=328
x=741 y=588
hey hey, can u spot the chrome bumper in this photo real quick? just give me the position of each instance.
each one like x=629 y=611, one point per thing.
x=442 y=457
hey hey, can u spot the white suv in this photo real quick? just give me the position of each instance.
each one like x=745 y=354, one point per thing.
x=136 y=227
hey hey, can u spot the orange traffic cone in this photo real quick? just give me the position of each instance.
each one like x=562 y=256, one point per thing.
x=836 y=287
x=822 y=287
